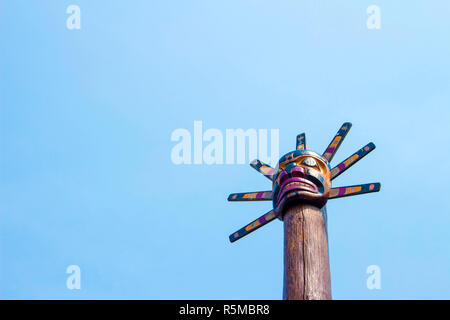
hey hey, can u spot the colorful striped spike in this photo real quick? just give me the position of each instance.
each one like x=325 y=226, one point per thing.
x=354 y=158
x=354 y=190
x=301 y=142
x=336 y=142
x=265 y=169
x=252 y=226
x=251 y=196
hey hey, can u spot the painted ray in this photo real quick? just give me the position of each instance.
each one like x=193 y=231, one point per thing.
x=252 y=226
x=336 y=142
x=251 y=196
x=263 y=168
x=301 y=142
x=354 y=190
x=350 y=161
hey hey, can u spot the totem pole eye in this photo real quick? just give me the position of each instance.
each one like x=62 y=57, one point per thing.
x=310 y=162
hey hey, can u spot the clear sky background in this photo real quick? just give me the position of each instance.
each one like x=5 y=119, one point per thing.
x=86 y=117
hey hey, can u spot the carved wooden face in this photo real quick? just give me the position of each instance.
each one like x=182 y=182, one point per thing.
x=301 y=176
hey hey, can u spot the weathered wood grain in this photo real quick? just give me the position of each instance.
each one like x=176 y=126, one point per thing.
x=306 y=262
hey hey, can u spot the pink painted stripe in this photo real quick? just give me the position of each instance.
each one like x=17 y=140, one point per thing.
x=259 y=195
x=341 y=191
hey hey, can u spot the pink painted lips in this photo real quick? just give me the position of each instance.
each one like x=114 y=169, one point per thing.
x=296 y=184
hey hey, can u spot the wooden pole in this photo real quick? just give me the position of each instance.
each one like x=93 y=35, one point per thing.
x=306 y=262
x=300 y=177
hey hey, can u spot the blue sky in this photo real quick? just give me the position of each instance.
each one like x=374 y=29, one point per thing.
x=86 y=116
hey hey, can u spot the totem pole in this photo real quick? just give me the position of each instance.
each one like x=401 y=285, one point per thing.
x=301 y=186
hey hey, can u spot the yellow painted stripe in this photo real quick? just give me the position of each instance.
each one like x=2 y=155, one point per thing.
x=351 y=160
x=249 y=196
x=352 y=189
x=334 y=192
x=335 y=141
x=252 y=226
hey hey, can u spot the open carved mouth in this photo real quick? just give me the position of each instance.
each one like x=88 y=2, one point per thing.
x=296 y=184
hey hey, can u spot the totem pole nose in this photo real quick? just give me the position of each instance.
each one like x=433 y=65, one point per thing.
x=296 y=171
x=291 y=170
